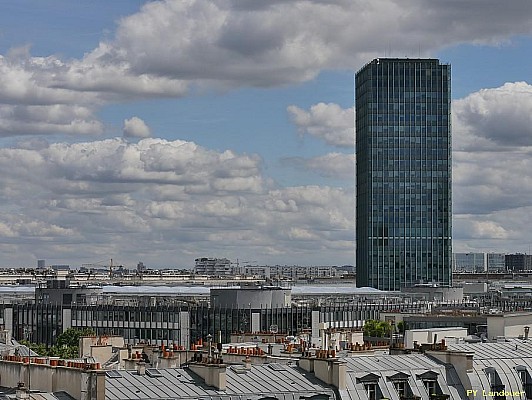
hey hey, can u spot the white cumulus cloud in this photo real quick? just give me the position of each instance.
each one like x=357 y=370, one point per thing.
x=136 y=127
x=495 y=118
x=146 y=199
x=328 y=122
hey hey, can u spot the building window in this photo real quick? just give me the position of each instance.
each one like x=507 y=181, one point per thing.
x=524 y=376
x=495 y=383
x=400 y=388
x=371 y=390
x=430 y=385
x=526 y=381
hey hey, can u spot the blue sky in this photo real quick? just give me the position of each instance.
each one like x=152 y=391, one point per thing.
x=163 y=131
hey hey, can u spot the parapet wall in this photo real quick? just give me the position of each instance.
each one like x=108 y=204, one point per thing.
x=80 y=380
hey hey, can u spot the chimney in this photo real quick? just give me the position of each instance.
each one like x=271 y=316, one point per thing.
x=141 y=368
x=21 y=392
x=306 y=363
x=247 y=363
x=5 y=336
x=212 y=374
x=331 y=371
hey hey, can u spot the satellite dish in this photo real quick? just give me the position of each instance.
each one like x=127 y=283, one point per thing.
x=274 y=328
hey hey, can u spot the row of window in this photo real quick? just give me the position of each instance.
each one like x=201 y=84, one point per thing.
x=402 y=388
x=125 y=315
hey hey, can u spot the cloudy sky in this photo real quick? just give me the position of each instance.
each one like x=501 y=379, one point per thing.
x=162 y=131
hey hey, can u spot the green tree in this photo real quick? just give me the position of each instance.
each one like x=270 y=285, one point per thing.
x=70 y=337
x=64 y=351
x=66 y=344
x=375 y=328
x=38 y=348
x=401 y=326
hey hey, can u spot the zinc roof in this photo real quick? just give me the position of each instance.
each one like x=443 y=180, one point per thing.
x=490 y=351
x=503 y=357
x=386 y=366
x=285 y=382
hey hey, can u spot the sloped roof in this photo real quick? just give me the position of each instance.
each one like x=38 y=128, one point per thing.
x=490 y=351
x=11 y=346
x=410 y=367
x=283 y=382
x=10 y=394
x=505 y=358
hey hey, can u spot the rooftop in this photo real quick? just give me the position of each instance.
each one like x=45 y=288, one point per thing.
x=285 y=382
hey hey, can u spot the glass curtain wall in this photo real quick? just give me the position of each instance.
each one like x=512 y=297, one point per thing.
x=403 y=172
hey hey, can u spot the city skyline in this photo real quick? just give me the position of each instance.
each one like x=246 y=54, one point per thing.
x=163 y=131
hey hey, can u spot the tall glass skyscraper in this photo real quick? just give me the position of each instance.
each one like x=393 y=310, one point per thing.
x=403 y=172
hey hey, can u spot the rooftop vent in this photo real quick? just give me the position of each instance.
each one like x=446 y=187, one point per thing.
x=153 y=373
x=276 y=367
x=239 y=369
x=112 y=373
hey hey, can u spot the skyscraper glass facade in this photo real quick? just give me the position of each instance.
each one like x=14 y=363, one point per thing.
x=403 y=172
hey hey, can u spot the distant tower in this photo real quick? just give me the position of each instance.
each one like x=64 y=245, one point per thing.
x=41 y=264
x=403 y=174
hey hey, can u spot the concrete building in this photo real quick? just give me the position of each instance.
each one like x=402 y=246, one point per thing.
x=508 y=325
x=215 y=267
x=291 y=272
x=62 y=292
x=434 y=293
x=403 y=173
x=251 y=297
x=414 y=337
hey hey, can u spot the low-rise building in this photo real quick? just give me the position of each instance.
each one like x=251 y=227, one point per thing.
x=413 y=337
x=215 y=267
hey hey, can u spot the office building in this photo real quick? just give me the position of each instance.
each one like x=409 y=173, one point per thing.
x=495 y=262
x=215 y=267
x=403 y=172
x=518 y=262
x=469 y=262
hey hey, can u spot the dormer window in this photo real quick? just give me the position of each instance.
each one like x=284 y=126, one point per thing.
x=430 y=381
x=495 y=383
x=371 y=386
x=430 y=385
x=401 y=386
x=526 y=380
x=371 y=390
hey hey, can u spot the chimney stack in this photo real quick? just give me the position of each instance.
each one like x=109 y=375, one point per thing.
x=247 y=363
x=21 y=392
x=141 y=368
x=213 y=374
